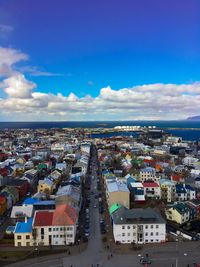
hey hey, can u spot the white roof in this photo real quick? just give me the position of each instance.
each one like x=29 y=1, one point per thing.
x=137 y=184
x=26 y=211
x=117 y=186
x=139 y=197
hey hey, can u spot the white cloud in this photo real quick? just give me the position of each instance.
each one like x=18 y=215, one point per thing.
x=16 y=86
x=10 y=56
x=35 y=71
x=149 y=101
x=6 y=28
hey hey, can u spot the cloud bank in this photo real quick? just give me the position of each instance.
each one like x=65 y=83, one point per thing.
x=22 y=101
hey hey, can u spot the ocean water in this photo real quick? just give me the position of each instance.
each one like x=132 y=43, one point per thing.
x=93 y=124
x=188 y=134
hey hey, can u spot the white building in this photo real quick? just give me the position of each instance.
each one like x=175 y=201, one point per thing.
x=152 y=190
x=189 y=161
x=138 y=226
x=148 y=174
x=23 y=233
x=55 y=227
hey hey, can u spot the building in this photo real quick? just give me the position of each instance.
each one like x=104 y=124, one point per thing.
x=23 y=233
x=117 y=192
x=168 y=190
x=148 y=174
x=55 y=227
x=136 y=191
x=138 y=226
x=178 y=213
x=152 y=190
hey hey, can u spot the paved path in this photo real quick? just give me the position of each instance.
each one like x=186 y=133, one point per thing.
x=165 y=255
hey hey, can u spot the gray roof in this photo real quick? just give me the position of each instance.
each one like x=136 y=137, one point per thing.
x=137 y=216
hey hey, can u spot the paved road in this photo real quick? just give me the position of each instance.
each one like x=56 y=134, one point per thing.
x=165 y=255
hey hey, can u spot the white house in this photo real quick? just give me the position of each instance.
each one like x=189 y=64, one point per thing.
x=152 y=190
x=138 y=226
x=148 y=174
x=55 y=227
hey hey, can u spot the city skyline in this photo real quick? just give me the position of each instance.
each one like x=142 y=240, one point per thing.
x=99 y=60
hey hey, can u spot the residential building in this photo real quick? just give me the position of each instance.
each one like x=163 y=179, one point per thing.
x=138 y=226
x=117 y=192
x=178 y=213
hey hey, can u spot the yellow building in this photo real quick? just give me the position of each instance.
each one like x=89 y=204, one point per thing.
x=178 y=213
x=45 y=186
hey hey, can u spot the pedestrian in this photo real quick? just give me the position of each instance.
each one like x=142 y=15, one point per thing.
x=111 y=255
x=69 y=253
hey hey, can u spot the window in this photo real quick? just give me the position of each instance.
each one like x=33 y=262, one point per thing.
x=146 y=234
x=123 y=234
x=19 y=244
x=27 y=244
x=146 y=226
x=57 y=229
x=128 y=234
x=19 y=237
x=157 y=226
x=49 y=229
x=128 y=227
x=157 y=233
x=27 y=236
x=151 y=240
x=123 y=227
x=151 y=226
x=42 y=231
x=134 y=227
x=151 y=233
x=146 y=240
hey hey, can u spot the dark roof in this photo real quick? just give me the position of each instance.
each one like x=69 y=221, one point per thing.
x=134 y=216
x=16 y=182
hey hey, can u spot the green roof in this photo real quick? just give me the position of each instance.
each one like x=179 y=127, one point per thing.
x=114 y=207
x=42 y=166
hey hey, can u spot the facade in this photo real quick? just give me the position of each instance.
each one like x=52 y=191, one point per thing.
x=152 y=190
x=178 y=213
x=23 y=234
x=55 y=227
x=148 y=174
x=117 y=192
x=138 y=226
x=168 y=190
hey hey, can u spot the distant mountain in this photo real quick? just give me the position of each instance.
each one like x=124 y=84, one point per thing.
x=194 y=118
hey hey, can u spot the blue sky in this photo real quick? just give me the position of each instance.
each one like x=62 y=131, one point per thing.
x=80 y=47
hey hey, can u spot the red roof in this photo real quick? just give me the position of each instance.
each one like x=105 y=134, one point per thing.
x=64 y=215
x=177 y=177
x=43 y=218
x=150 y=184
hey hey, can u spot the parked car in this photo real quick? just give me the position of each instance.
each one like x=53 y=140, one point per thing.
x=145 y=261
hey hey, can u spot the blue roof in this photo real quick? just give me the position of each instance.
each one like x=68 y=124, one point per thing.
x=24 y=227
x=45 y=202
x=189 y=187
x=30 y=201
x=148 y=169
x=130 y=180
x=180 y=189
x=10 y=229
